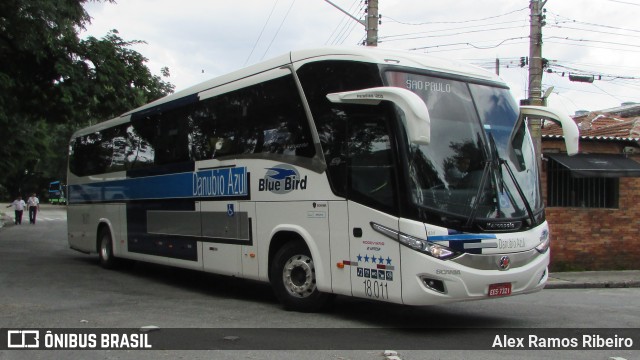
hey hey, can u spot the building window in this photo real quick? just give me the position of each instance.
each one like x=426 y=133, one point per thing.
x=564 y=189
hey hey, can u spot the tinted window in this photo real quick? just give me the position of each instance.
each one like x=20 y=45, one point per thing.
x=265 y=119
x=100 y=152
x=321 y=78
x=356 y=139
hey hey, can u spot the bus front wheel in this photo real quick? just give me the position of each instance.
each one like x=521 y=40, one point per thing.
x=105 y=249
x=293 y=278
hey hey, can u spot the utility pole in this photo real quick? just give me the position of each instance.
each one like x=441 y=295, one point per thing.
x=371 y=23
x=535 y=72
x=535 y=52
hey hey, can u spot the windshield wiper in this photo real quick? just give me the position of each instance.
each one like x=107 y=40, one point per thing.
x=519 y=189
x=500 y=186
x=476 y=201
x=493 y=155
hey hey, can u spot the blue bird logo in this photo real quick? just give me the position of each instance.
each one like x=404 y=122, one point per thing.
x=280 y=174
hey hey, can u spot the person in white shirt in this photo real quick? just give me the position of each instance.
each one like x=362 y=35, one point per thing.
x=34 y=207
x=19 y=205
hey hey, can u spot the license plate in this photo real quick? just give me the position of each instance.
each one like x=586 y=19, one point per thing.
x=500 y=289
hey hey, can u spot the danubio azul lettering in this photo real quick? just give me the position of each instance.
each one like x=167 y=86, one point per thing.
x=220 y=182
x=223 y=182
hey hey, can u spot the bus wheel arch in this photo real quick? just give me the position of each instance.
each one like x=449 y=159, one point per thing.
x=292 y=273
x=104 y=247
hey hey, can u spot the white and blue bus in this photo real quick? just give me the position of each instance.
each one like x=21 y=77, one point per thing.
x=57 y=192
x=355 y=171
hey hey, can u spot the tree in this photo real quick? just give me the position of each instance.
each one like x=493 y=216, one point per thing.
x=52 y=83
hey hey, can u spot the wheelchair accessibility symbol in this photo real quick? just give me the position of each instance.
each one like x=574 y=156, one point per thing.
x=230 y=210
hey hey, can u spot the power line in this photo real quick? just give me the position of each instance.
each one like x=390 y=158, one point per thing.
x=624 y=2
x=592 y=24
x=452 y=29
x=279 y=27
x=593 y=41
x=349 y=29
x=600 y=75
x=592 y=31
x=261 y=31
x=349 y=25
x=601 y=65
x=593 y=47
x=455 y=22
x=454 y=34
x=606 y=92
x=471 y=44
x=342 y=24
x=400 y=38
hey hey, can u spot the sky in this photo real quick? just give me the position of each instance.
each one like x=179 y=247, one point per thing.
x=199 y=40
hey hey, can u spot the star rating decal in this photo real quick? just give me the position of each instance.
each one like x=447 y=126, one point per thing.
x=380 y=260
x=378 y=270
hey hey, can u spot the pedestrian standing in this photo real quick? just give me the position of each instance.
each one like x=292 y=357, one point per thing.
x=34 y=207
x=19 y=205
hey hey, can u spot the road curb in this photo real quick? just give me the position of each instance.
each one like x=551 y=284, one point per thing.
x=592 y=285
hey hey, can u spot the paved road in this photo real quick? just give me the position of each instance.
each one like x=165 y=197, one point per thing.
x=46 y=285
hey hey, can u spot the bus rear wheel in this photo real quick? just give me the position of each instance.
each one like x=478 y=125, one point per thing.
x=293 y=278
x=105 y=249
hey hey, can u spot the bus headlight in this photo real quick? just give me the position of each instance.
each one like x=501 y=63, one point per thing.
x=424 y=246
x=427 y=247
x=545 y=241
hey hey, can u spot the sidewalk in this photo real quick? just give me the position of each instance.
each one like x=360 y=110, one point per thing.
x=594 y=279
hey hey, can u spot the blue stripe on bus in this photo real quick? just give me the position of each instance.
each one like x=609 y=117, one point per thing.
x=462 y=237
x=213 y=183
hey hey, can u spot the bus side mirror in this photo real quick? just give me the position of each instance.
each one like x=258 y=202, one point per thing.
x=569 y=128
x=416 y=112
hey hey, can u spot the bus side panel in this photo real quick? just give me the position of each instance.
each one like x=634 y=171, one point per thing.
x=302 y=218
x=221 y=246
x=119 y=226
x=339 y=233
x=375 y=267
x=86 y=219
x=250 y=264
x=81 y=230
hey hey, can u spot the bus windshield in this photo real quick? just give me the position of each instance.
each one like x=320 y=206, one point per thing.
x=480 y=163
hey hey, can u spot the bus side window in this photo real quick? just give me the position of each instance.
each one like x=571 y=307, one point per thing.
x=319 y=79
x=265 y=118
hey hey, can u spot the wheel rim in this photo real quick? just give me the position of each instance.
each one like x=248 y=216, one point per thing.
x=298 y=276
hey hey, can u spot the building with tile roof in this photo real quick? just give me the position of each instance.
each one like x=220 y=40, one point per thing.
x=593 y=198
